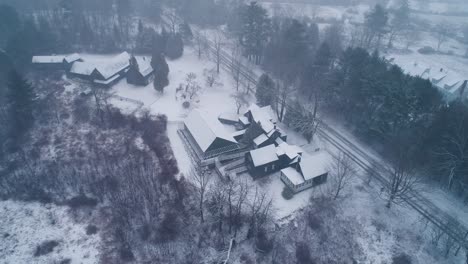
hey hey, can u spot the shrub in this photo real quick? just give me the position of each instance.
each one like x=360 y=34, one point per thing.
x=91 y=230
x=401 y=259
x=314 y=222
x=426 y=50
x=174 y=46
x=45 y=248
x=303 y=253
x=82 y=201
x=126 y=254
x=287 y=193
x=186 y=104
x=263 y=243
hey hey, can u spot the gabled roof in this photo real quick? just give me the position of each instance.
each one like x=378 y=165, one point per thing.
x=115 y=65
x=314 y=165
x=264 y=116
x=260 y=139
x=82 y=68
x=292 y=174
x=205 y=131
x=229 y=117
x=72 y=58
x=264 y=155
x=48 y=59
x=292 y=151
x=144 y=65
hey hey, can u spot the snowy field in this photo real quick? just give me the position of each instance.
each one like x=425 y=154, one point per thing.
x=383 y=233
x=40 y=223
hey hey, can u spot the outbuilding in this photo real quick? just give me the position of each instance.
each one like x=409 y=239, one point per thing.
x=311 y=170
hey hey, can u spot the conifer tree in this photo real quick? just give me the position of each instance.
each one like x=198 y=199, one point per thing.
x=174 y=46
x=265 y=92
x=161 y=72
x=21 y=98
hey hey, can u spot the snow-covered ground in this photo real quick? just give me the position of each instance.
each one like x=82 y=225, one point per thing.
x=24 y=226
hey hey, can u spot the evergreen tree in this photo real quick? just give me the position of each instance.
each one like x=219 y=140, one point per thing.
x=313 y=37
x=161 y=72
x=21 y=98
x=376 y=25
x=9 y=23
x=186 y=31
x=314 y=75
x=254 y=30
x=24 y=44
x=400 y=21
x=174 y=46
x=265 y=92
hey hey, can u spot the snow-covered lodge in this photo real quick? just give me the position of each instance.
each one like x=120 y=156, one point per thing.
x=207 y=137
x=105 y=73
x=55 y=62
x=258 y=146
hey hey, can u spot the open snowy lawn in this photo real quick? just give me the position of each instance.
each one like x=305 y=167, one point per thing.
x=24 y=226
x=213 y=100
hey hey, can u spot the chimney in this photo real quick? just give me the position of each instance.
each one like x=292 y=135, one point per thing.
x=299 y=159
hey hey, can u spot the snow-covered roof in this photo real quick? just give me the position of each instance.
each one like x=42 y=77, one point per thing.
x=244 y=120
x=294 y=176
x=260 y=139
x=229 y=117
x=292 y=151
x=48 y=59
x=144 y=65
x=314 y=165
x=82 y=68
x=264 y=155
x=238 y=133
x=264 y=116
x=205 y=131
x=72 y=58
x=279 y=140
x=115 y=65
x=108 y=81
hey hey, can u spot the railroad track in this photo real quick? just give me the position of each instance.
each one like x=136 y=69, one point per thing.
x=433 y=214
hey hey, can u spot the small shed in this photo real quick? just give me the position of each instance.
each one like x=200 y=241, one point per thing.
x=311 y=170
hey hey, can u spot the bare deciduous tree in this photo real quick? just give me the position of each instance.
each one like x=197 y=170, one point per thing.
x=403 y=178
x=240 y=100
x=201 y=44
x=443 y=31
x=201 y=176
x=453 y=154
x=236 y=65
x=260 y=212
x=172 y=19
x=342 y=171
x=218 y=42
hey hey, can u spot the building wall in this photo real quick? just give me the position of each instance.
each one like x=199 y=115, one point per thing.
x=263 y=170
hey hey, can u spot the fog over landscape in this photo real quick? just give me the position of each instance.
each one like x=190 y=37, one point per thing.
x=234 y=131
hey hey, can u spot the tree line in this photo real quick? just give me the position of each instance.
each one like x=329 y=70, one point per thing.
x=311 y=73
